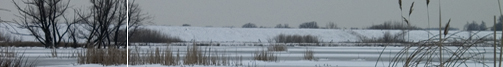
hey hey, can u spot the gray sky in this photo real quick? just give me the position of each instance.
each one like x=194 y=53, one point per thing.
x=346 y=13
x=10 y=15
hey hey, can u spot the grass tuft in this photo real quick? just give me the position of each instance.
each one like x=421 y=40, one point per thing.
x=265 y=56
x=9 y=58
x=277 y=47
x=309 y=55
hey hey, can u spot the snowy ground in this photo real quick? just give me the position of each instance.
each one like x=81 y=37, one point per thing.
x=327 y=56
x=260 y=34
x=265 y=34
x=42 y=57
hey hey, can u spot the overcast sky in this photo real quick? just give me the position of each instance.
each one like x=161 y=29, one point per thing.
x=345 y=13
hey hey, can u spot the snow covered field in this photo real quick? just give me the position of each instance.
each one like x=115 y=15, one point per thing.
x=326 y=56
x=66 y=57
x=264 y=34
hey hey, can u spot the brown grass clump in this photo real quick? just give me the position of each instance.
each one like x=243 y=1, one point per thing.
x=309 y=55
x=265 y=56
x=110 y=56
x=194 y=56
x=163 y=57
x=277 y=47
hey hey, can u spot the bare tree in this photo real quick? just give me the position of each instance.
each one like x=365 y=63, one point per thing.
x=43 y=19
x=136 y=17
x=104 y=23
x=332 y=25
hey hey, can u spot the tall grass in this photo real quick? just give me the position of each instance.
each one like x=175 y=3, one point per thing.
x=265 y=56
x=9 y=58
x=309 y=55
x=433 y=50
x=425 y=53
x=109 y=56
x=194 y=56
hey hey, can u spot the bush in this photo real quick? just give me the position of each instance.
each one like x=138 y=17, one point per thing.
x=249 y=25
x=296 y=39
x=311 y=24
x=151 y=36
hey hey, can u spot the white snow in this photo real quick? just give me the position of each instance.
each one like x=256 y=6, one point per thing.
x=266 y=34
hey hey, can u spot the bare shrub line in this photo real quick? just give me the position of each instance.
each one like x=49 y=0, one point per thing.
x=152 y=36
x=282 y=38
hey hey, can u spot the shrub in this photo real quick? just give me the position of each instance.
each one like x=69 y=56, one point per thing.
x=282 y=38
x=249 y=25
x=311 y=24
x=151 y=36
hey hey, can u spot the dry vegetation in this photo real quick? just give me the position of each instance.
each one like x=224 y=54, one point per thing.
x=9 y=58
x=194 y=56
x=151 y=36
x=433 y=52
x=309 y=55
x=282 y=38
x=386 y=38
x=110 y=56
x=277 y=47
x=427 y=52
x=265 y=56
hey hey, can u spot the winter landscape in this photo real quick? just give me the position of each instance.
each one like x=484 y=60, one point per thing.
x=250 y=33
